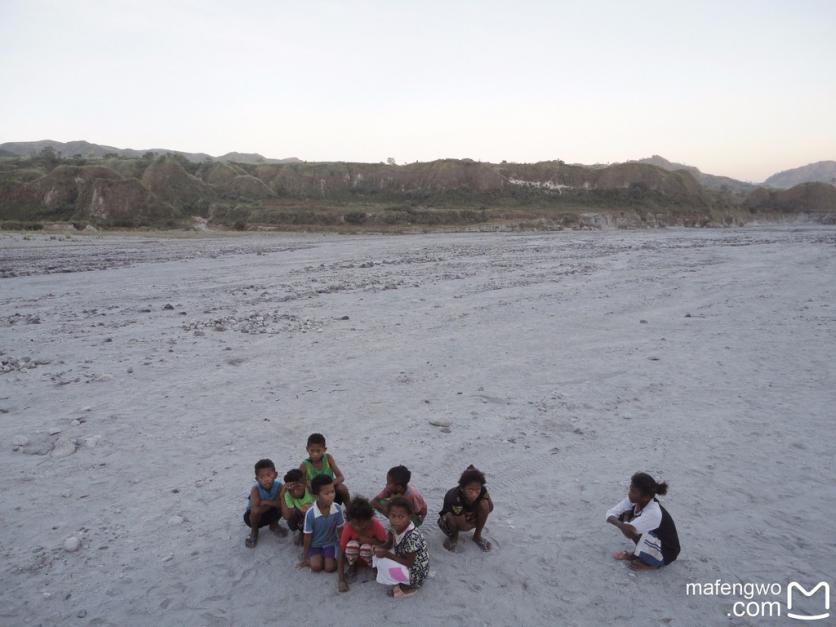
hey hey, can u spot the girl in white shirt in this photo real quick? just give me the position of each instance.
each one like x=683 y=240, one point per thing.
x=642 y=519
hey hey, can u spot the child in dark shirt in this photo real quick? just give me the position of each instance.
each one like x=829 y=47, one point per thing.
x=466 y=507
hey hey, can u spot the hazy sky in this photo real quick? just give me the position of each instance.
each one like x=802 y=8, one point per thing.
x=738 y=88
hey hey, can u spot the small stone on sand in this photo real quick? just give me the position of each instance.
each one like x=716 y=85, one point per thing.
x=72 y=544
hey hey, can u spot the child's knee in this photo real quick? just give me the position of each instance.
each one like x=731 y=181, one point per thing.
x=330 y=566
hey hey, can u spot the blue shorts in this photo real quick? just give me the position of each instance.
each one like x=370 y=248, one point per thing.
x=328 y=552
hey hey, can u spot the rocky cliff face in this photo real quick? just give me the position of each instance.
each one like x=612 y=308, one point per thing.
x=170 y=189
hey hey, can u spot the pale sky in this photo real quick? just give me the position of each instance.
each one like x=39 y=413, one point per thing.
x=742 y=89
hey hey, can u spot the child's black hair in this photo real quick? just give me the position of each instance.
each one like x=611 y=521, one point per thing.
x=293 y=475
x=315 y=438
x=472 y=475
x=647 y=485
x=264 y=463
x=318 y=482
x=360 y=509
x=400 y=475
x=398 y=501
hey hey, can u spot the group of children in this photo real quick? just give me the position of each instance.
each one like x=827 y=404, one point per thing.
x=340 y=533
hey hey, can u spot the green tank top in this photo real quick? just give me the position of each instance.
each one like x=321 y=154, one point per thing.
x=313 y=472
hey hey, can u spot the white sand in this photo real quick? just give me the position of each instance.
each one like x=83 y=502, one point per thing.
x=530 y=345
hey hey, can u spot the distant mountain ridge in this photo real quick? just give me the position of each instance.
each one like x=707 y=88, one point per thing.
x=819 y=172
x=710 y=181
x=86 y=150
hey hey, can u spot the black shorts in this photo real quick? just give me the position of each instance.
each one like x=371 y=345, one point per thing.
x=267 y=518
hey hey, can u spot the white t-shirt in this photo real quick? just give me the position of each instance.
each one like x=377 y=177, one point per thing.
x=647 y=519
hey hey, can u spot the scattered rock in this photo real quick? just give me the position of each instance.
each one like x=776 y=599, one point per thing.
x=687 y=315
x=54 y=431
x=20 y=441
x=81 y=613
x=168 y=557
x=103 y=378
x=168 y=306
x=642 y=321
x=345 y=318
x=75 y=422
x=175 y=520
x=437 y=422
x=64 y=447
x=72 y=544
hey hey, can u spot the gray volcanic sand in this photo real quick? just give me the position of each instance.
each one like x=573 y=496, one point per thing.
x=563 y=362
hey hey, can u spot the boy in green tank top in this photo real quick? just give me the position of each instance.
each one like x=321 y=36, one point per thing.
x=321 y=462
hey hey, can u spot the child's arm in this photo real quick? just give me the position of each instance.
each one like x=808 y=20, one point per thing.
x=407 y=559
x=306 y=546
x=338 y=475
x=256 y=504
x=342 y=584
x=285 y=510
x=276 y=503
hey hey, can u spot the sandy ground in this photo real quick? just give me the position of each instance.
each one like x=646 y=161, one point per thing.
x=159 y=370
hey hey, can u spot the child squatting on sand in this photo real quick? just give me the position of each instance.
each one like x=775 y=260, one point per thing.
x=323 y=523
x=362 y=533
x=404 y=561
x=295 y=499
x=397 y=484
x=642 y=519
x=466 y=507
x=321 y=462
x=263 y=506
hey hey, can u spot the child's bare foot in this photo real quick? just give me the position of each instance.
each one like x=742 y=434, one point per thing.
x=622 y=555
x=342 y=586
x=482 y=543
x=251 y=541
x=402 y=592
x=278 y=529
x=299 y=539
x=450 y=543
x=639 y=566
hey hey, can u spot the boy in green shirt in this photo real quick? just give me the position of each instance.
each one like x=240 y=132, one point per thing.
x=295 y=499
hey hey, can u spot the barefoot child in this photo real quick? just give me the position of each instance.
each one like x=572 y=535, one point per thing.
x=642 y=519
x=362 y=533
x=323 y=523
x=397 y=484
x=263 y=507
x=404 y=562
x=320 y=462
x=295 y=499
x=466 y=507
